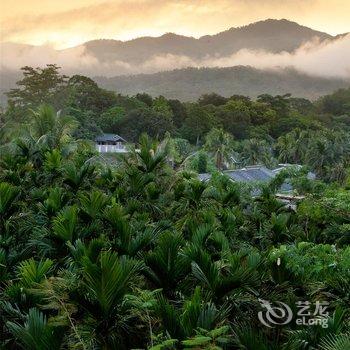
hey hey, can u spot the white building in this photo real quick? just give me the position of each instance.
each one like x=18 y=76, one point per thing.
x=110 y=143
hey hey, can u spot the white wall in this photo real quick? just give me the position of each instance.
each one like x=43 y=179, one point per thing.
x=118 y=148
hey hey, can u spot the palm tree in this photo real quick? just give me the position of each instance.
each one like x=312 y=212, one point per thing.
x=107 y=281
x=293 y=146
x=36 y=333
x=220 y=144
x=256 y=151
x=51 y=129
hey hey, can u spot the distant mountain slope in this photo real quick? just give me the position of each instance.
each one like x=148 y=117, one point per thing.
x=270 y=35
x=188 y=84
x=156 y=54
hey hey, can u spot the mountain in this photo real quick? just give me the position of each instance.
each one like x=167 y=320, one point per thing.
x=188 y=84
x=118 y=64
x=270 y=35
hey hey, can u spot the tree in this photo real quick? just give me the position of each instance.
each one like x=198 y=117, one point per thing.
x=279 y=103
x=179 y=112
x=198 y=122
x=145 y=98
x=146 y=120
x=112 y=119
x=51 y=128
x=255 y=152
x=337 y=103
x=220 y=144
x=235 y=117
x=39 y=86
x=212 y=99
x=84 y=94
x=202 y=163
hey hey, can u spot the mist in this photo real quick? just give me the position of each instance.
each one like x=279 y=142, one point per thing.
x=326 y=59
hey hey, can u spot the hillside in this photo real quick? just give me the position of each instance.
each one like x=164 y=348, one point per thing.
x=119 y=64
x=190 y=83
x=270 y=35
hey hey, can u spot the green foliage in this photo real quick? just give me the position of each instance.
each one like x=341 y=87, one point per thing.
x=64 y=224
x=36 y=333
x=8 y=194
x=31 y=272
x=108 y=280
x=142 y=254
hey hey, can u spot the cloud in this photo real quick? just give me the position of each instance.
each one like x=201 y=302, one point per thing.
x=330 y=58
x=98 y=20
x=67 y=23
x=326 y=59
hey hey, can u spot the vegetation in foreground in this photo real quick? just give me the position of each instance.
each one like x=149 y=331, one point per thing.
x=143 y=256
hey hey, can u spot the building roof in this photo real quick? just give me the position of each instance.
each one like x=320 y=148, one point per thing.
x=204 y=177
x=251 y=174
x=257 y=174
x=310 y=175
x=109 y=138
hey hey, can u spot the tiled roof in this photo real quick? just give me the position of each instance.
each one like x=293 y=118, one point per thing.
x=310 y=175
x=109 y=138
x=251 y=174
x=256 y=174
x=204 y=177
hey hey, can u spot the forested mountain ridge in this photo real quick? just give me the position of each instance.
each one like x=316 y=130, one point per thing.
x=270 y=35
x=190 y=83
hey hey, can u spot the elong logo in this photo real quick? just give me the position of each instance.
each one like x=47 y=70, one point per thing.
x=274 y=315
x=281 y=314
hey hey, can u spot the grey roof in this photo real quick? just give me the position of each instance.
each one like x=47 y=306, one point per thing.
x=251 y=174
x=247 y=174
x=204 y=177
x=310 y=175
x=255 y=174
x=109 y=138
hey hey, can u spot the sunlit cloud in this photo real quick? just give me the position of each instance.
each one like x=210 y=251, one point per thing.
x=67 y=23
x=326 y=59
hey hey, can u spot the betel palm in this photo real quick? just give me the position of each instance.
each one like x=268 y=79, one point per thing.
x=77 y=176
x=193 y=200
x=51 y=129
x=144 y=173
x=151 y=157
x=317 y=337
x=336 y=342
x=146 y=164
x=64 y=225
x=46 y=131
x=166 y=265
x=257 y=151
x=105 y=284
x=93 y=203
x=55 y=200
x=195 y=314
x=234 y=272
x=293 y=146
x=127 y=236
x=36 y=333
x=8 y=195
x=220 y=144
x=30 y=274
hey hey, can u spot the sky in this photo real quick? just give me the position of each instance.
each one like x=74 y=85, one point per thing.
x=67 y=23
